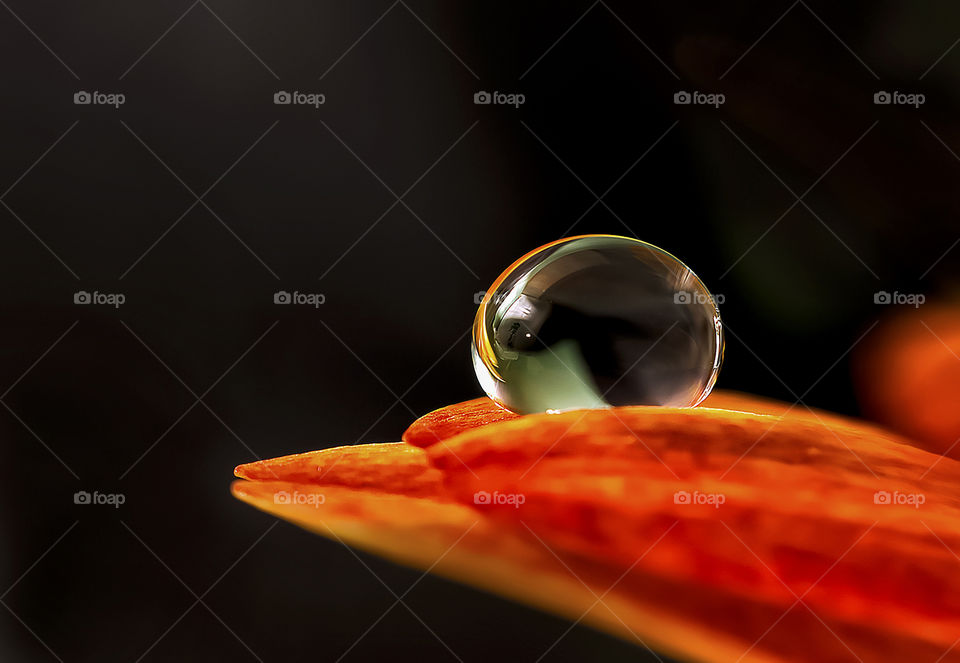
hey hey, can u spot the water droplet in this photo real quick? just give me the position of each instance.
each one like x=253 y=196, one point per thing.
x=593 y=321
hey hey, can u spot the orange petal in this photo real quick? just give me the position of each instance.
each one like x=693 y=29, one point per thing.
x=391 y=467
x=600 y=519
x=453 y=419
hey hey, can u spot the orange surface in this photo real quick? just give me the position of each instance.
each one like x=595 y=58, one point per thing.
x=708 y=534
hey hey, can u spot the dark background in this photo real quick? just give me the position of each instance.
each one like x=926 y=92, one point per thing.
x=296 y=198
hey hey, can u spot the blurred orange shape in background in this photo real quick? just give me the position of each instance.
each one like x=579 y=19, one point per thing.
x=908 y=376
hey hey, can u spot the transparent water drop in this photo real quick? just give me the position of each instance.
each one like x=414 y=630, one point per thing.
x=594 y=321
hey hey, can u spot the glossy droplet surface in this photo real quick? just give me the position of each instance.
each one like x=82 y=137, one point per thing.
x=594 y=321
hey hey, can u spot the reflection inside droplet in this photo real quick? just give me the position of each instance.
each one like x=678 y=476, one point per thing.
x=593 y=321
